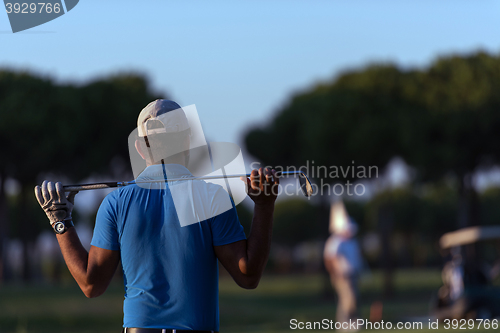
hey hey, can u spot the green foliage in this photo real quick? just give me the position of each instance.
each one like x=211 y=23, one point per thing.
x=24 y=208
x=490 y=207
x=460 y=100
x=65 y=130
x=357 y=210
x=349 y=120
x=25 y=102
x=441 y=119
x=432 y=213
x=296 y=220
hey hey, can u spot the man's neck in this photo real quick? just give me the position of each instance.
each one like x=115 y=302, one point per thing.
x=181 y=160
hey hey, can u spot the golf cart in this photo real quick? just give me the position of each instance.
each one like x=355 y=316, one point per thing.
x=468 y=291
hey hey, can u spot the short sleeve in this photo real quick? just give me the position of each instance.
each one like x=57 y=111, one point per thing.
x=226 y=227
x=105 y=231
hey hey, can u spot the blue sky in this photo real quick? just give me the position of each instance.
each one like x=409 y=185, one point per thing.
x=240 y=61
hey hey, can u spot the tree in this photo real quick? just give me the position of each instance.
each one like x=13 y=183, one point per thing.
x=64 y=129
x=458 y=97
x=295 y=221
x=333 y=125
x=442 y=120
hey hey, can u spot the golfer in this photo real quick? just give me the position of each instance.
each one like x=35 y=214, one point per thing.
x=342 y=258
x=170 y=269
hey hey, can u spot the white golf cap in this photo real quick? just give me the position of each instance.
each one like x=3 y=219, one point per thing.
x=169 y=113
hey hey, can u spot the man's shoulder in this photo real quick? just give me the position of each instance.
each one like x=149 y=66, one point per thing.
x=120 y=193
x=212 y=190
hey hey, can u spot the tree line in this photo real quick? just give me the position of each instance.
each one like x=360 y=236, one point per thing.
x=441 y=119
x=70 y=131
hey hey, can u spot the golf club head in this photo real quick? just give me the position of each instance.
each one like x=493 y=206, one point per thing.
x=305 y=183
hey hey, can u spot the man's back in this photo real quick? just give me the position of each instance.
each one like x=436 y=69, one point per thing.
x=170 y=270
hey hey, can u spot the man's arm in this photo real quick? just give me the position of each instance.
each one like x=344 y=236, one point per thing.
x=92 y=271
x=245 y=260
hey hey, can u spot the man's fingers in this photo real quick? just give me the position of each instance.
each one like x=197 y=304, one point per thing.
x=269 y=176
x=274 y=182
x=45 y=192
x=38 y=195
x=247 y=183
x=59 y=192
x=276 y=178
x=52 y=198
x=262 y=178
x=52 y=191
x=263 y=185
x=254 y=180
x=271 y=181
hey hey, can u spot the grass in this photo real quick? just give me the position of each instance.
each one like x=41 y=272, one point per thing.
x=268 y=309
x=279 y=299
x=62 y=309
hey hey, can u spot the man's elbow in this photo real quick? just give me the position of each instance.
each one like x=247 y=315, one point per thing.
x=249 y=282
x=91 y=291
x=249 y=276
x=251 y=286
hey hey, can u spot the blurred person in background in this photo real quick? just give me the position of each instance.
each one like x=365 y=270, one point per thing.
x=342 y=258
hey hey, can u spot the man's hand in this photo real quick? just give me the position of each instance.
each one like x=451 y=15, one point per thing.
x=54 y=202
x=262 y=187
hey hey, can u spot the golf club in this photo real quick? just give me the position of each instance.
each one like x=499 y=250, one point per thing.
x=305 y=183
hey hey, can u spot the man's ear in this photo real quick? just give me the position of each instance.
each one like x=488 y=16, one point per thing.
x=139 y=150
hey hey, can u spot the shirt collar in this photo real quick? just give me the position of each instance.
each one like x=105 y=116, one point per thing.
x=162 y=171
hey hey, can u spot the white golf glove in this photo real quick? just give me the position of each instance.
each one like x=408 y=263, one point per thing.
x=54 y=202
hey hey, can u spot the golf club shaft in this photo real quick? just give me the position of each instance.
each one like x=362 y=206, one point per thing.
x=96 y=186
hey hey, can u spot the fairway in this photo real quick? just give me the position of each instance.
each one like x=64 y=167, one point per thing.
x=268 y=309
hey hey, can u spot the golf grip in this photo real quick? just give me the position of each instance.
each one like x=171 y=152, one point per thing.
x=83 y=187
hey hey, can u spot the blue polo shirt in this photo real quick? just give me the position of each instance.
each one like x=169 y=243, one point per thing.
x=170 y=268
